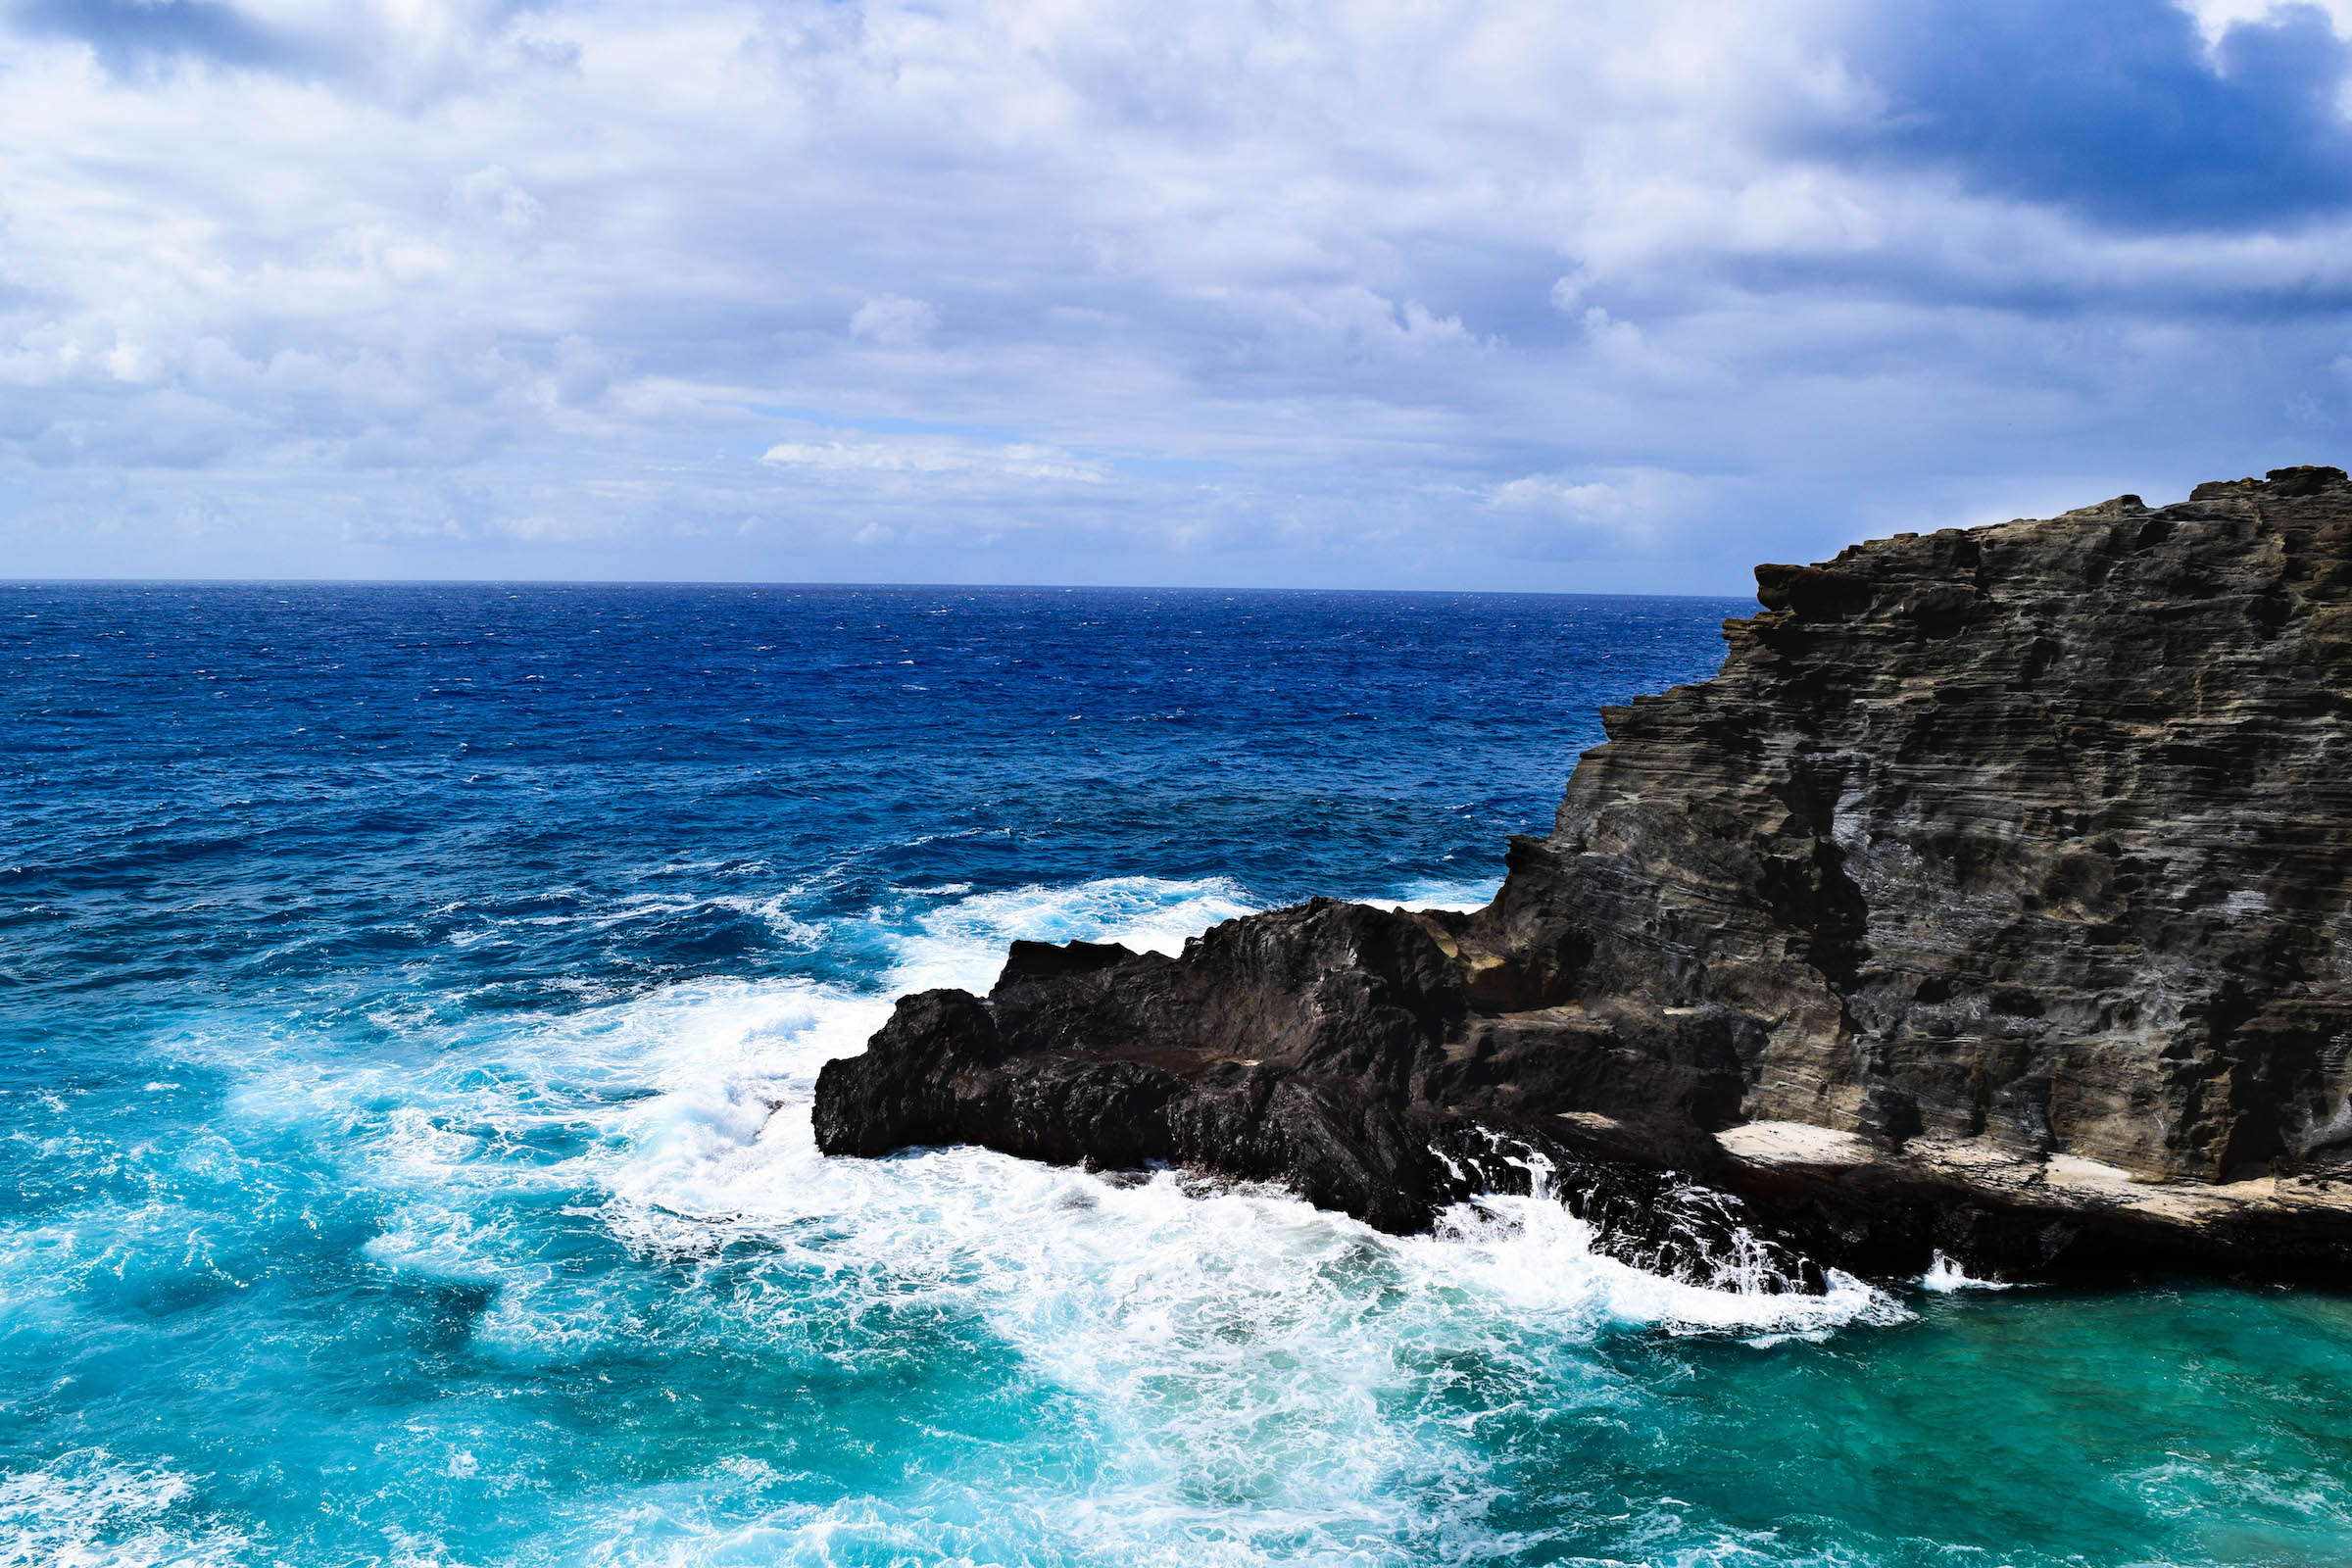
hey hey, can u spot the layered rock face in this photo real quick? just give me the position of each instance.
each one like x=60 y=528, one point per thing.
x=1994 y=899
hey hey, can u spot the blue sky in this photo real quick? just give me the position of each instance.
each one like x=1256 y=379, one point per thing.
x=1564 y=295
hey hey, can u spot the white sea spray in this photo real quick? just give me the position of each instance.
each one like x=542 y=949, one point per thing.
x=86 y=1509
x=1250 y=1375
x=1944 y=1277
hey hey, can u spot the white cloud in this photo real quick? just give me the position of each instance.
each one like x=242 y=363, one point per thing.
x=1322 y=293
x=1613 y=511
x=934 y=458
x=493 y=193
x=2216 y=16
x=893 y=321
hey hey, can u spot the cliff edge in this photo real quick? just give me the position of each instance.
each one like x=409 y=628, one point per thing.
x=1995 y=900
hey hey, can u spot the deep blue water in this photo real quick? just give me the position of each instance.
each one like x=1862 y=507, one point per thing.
x=409 y=999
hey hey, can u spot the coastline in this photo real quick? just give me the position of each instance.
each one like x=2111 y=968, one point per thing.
x=1926 y=869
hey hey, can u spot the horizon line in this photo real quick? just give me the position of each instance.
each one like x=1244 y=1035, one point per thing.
x=744 y=583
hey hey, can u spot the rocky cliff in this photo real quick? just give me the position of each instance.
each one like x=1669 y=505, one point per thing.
x=1995 y=899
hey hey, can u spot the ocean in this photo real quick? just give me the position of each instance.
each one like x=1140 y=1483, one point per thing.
x=410 y=1000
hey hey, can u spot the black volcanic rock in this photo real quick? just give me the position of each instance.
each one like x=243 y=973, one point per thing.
x=1994 y=899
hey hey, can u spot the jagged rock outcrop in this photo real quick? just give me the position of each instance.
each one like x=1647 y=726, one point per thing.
x=1994 y=899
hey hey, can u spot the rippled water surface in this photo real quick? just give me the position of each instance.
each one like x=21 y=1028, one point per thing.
x=409 y=1004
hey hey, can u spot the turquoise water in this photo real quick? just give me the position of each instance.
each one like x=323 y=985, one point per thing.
x=409 y=1004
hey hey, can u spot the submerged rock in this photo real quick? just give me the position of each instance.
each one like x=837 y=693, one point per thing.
x=1994 y=900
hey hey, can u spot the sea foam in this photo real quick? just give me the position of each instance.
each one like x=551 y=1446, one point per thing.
x=1244 y=1378
x=85 y=1509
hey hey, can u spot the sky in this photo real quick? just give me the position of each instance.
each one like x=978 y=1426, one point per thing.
x=1577 y=295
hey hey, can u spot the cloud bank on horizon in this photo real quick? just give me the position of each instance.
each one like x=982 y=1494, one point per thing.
x=1591 y=295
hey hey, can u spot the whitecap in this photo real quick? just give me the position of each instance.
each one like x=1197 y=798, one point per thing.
x=962 y=944
x=86 y=1509
x=1535 y=1255
x=1944 y=1276
x=1458 y=895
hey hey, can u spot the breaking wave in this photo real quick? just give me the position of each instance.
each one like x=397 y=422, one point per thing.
x=1233 y=1367
x=83 y=1509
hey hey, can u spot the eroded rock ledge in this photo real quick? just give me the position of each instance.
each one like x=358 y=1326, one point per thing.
x=1994 y=900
